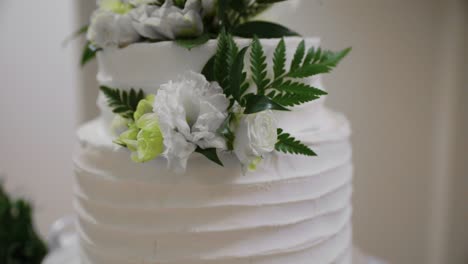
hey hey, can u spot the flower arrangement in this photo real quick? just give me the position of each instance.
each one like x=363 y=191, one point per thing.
x=118 y=23
x=221 y=109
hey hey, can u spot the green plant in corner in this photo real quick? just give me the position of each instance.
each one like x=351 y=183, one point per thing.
x=19 y=241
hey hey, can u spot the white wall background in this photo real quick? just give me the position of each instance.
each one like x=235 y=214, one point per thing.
x=38 y=106
x=402 y=88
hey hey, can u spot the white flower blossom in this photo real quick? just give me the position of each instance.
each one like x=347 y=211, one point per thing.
x=255 y=136
x=168 y=21
x=109 y=29
x=190 y=111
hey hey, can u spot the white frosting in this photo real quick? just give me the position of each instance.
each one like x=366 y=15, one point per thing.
x=293 y=210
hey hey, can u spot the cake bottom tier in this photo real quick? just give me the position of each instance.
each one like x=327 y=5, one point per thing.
x=292 y=210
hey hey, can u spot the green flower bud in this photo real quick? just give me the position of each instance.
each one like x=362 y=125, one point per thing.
x=115 y=6
x=149 y=139
x=145 y=106
x=129 y=138
x=253 y=165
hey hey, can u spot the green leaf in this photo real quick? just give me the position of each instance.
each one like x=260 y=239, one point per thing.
x=76 y=34
x=223 y=7
x=19 y=241
x=194 y=42
x=323 y=62
x=333 y=58
x=232 y=52
x=258 y=66
x=318 y=56
x=226 y=131
x=244 y=86
x=263 y=29
x=221 y=70
x=279 y=59
x=237 y=75
x=180 y=3
x=122 y=102
x=211 y=154
x=81 y=31
x=298 y=56
x=89 y=53
x=298 y=88
x=310 y=70
x=310 y=56
x=258 y=103
x=288 y=144
x=208 y=70
x=287 y=99
x=238 y=6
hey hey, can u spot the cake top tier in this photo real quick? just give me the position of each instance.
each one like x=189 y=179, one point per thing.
x=149 y=65
x=185 y=76
x=118 y=23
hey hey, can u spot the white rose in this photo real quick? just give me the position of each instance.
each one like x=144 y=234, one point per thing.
x=168 y=21
x=256 y=136
x=108 y=29
x=190 y=111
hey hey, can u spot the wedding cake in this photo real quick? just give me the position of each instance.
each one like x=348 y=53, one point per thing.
x=213 y=145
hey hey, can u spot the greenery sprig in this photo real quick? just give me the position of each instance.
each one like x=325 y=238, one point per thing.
x=284 y=89
x=277 y=88
x=19 y=242
x=89 y=53
x=288 y=144
x=122 y=102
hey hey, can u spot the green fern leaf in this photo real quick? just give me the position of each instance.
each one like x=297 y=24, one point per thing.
x=233 y=50
x=221 y=72
x=122 y=102
x=323 y=62
x=279 y=59
x=298 y=56
x=237 y=76
x=288 y=144
x=333 y=58
x=258 y=103
x=298 y=88
x=310 y=70
x=318 y=56
x=287 y=99
x=208 y=70
x=258 y=66
x=310 y=56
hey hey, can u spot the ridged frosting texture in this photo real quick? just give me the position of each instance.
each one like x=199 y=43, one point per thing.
x=293 y=209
